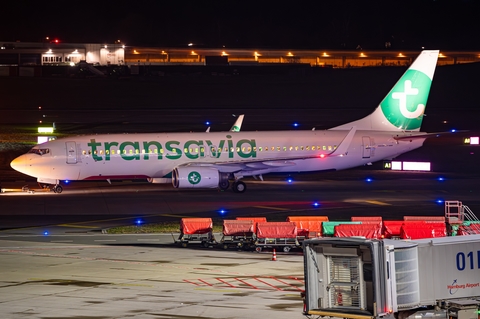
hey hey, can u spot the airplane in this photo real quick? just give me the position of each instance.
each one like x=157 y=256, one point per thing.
x=221 y=159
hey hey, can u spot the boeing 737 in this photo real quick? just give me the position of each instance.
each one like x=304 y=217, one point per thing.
x=221 y=159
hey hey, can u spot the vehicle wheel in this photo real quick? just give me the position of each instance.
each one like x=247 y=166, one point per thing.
x=258 y=249
x=184 y=244
x=286 y=249
x=57 y=189
x=239 y=187
x=224 y=185
x=225 y=246
x=205 y=244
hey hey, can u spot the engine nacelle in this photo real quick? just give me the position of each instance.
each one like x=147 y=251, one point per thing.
x=195 y=177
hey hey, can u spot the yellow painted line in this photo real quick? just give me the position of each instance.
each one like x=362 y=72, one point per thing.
x=76 y=226
x=376 y=202
x=274 y=208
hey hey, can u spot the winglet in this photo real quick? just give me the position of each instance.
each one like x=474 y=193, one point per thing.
x=238 y=124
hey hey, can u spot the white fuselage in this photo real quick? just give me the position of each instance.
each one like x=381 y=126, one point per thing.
x=119 y=156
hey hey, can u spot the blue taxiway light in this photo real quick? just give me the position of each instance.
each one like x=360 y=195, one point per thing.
x=66 y=181
x=45 y=233
x=316 y=204
x=439 y=201
x=295 y=124
x=368 y=180
x=207 y=123
x=290 y=180
x=222 y=211
x=441 y=179
x=138 y=222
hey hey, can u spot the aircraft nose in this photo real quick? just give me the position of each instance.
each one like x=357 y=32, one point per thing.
x=18 y=163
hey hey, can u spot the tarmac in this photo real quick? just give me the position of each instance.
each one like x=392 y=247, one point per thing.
x=145 y=278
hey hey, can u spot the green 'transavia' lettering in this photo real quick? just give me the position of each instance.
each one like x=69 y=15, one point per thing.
x=192 y=149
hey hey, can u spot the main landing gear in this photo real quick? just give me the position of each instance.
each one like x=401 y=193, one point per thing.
x=239 y=186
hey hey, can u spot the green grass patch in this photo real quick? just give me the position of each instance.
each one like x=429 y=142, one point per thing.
x=167 y=227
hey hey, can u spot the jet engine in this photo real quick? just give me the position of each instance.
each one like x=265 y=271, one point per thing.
x=195 y=177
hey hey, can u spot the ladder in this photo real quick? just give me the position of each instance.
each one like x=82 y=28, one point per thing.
x=457 y=213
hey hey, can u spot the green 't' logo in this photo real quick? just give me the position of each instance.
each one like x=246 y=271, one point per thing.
x=405 y=104
x=235 y=128
x=194 y=178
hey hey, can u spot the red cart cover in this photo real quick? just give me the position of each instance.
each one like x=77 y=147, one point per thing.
x=423 y=230
x=440 y=219
x=468 y=230
x=392 y=228
x=237 y=227
x=367 y=219
x=308 y=226
x=190 y=226
x=364 y=230
x=255 y=221
x=276 y=230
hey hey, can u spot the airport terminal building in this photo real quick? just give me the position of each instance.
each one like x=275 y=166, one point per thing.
x=24 y=54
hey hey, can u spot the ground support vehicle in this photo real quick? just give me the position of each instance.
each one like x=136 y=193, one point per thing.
x=384 y=278
x=308 y=226
x=198 y=230
x=277 y=235
x=237 y=234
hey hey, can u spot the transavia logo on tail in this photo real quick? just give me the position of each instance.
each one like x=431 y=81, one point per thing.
x=404 y=105
x=194 y=178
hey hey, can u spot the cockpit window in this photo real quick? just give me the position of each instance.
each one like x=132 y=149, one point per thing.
x=39 y=151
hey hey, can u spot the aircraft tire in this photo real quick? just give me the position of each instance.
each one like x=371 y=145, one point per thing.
x=239 y=187
x=224 y=185
x=57 y=189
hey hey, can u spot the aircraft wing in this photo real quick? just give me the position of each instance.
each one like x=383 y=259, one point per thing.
x=268 y=165
x=425 y=135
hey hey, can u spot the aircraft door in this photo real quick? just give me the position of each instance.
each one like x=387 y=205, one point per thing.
x=367 y=143
x=71 y=149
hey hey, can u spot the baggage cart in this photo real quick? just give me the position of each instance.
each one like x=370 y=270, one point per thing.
x=277 y=235
x=237 y=234
x=198 y=230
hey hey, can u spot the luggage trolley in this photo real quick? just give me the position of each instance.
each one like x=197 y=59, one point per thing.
x=196 y=230
x=276 y=235
x=237 y=234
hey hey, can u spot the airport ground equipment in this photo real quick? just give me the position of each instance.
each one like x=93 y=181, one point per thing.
x=277 y=235
x=198 y=230
x=238 y=234
x=255 y=221
x=461 y=217
x=369 y=278
x=368 y=230
x=308 y=226
x=328 y=228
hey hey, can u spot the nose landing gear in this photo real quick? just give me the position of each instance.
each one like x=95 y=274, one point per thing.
x=57 y=189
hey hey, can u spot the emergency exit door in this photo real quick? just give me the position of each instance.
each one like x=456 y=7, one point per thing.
x=71 y=149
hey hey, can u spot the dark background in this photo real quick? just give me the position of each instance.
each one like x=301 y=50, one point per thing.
x=407 y=24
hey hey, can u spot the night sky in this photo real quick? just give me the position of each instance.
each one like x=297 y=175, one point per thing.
x=334 y=24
